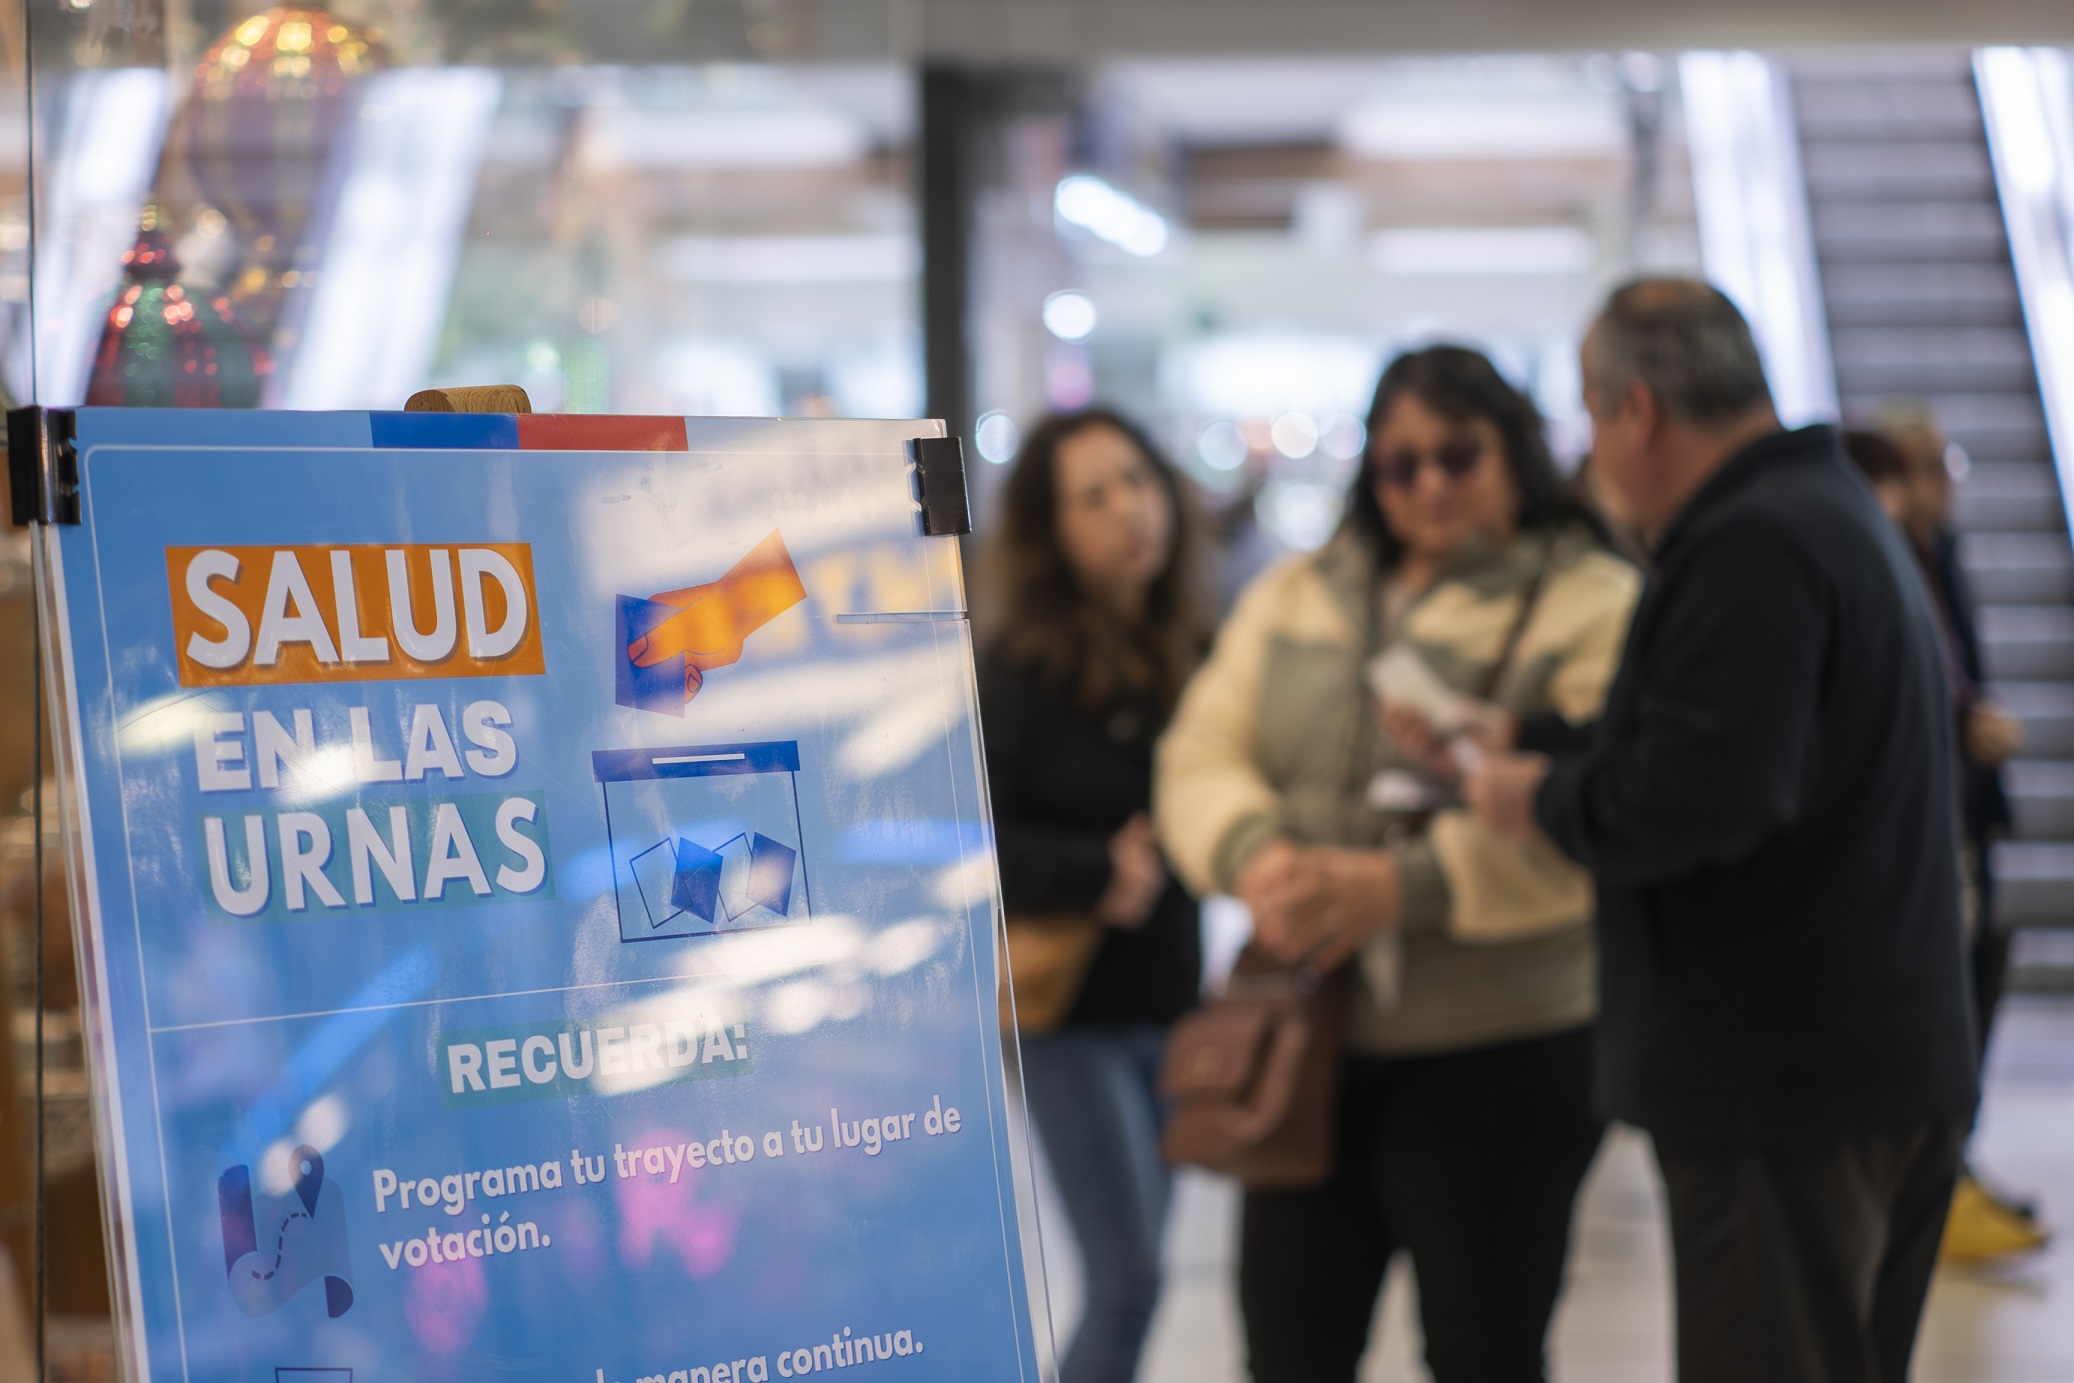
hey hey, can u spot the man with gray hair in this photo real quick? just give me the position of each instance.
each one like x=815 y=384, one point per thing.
x=1767 y=806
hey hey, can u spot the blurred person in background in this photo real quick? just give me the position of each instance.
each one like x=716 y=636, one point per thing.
x=1769 y=808
x=1914 y=485
x=1991 y=736
x=1466 y=1115
x=1935 y=465
x=1093 y=630
x=1885 y=468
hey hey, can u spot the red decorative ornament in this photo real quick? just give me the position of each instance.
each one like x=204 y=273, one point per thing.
x=164 y=347
x=265 y=111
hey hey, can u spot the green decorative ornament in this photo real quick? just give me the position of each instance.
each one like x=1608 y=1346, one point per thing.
x=166 y=346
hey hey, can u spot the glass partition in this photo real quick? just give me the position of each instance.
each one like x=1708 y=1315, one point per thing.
x=298 y=207
x=626 y=209
x=23 y=982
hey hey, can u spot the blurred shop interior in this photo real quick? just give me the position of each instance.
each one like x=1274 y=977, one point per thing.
x=895 y=209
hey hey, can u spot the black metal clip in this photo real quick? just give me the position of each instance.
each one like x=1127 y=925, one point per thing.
x=43 y=465
x=940 y=484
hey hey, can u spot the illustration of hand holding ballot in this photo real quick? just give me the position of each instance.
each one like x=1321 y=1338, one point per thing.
x=674 y=639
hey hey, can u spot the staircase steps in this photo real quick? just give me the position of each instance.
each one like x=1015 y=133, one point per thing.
x=1922 y=304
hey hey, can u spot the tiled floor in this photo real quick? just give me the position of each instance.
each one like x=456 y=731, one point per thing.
x=2009 y=1325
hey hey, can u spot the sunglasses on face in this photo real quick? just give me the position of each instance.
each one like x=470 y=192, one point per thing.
x=1400 y=469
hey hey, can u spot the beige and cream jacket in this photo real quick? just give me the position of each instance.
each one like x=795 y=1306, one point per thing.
x=1276 y=736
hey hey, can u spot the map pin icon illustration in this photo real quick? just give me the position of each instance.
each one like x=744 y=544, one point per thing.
x=309 y=1176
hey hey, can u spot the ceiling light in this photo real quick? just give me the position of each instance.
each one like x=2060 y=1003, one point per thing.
x=1295 y=434
x=1069 y=315
x=707 y=137
x=1343 y=437
x=996 y=437
x=1527 y=127
x=1222 y=446
x=870 y=257
x=1431 y=251
x=1086 y=201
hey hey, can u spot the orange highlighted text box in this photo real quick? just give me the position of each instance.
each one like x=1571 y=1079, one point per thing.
x=265 y=616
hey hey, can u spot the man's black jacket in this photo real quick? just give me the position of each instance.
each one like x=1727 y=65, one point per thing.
x=1769 y=811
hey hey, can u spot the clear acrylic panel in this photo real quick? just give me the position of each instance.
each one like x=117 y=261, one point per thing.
x=537 y=900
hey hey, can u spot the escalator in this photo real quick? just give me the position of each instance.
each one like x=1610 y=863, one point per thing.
x=1922 y=302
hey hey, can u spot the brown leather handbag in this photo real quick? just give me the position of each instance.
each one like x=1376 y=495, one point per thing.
x=1048 y=954
x=1254 y=1073
x=1254 y=1076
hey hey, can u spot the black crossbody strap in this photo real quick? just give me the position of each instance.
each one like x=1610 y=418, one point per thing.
x=1528 y=603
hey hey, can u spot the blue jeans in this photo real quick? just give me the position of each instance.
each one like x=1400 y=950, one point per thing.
x=1092 y=1093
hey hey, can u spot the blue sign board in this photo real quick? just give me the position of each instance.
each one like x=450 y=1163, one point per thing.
x=537 y=903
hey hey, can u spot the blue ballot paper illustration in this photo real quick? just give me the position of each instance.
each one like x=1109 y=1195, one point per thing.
x=705 y=838
x=746 y=872
x=276 y=1245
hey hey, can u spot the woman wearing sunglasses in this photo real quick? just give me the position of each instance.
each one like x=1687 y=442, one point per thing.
x=1309 y=770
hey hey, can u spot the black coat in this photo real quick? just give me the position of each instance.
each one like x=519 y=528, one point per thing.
x=1063 y=782
x=1769 y=812
x=1985 y=799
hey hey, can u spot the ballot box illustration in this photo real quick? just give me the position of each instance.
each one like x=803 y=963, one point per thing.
x=705 y=838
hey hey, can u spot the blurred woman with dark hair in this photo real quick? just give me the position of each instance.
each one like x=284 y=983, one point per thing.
x=1092 y=630
x=1311 y=769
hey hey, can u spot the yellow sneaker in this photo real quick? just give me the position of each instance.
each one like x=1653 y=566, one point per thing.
x=1981 y=1229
